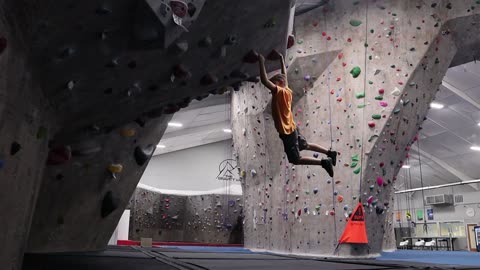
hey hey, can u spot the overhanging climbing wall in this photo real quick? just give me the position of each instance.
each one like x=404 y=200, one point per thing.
x=363 y=74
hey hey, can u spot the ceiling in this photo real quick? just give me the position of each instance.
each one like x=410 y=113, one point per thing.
x=203 y=122
x=448 y=133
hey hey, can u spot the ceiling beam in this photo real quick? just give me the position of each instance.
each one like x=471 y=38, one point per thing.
x=463 y=177
x=461 y=94
x=469 y=182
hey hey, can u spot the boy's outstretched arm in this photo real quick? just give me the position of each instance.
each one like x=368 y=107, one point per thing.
x=263 y=75
x=284 y=69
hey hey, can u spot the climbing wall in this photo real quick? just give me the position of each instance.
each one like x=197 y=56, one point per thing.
x=363 y=74
x=204 y=218
x=86 y=90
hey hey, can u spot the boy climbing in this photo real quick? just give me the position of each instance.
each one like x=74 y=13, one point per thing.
x=293 y=141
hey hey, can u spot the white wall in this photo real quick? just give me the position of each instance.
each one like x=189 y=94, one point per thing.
x=192 y=169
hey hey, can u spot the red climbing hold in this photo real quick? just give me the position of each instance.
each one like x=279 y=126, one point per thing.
x=179 y=8
x=371 y=124
x=3 y=44
x=59 y=155
x=324 y=33
x=381 y=91
x=180 y=71
x=339 y=99
x=290 y=41
x=340 y=55
x=251 y=57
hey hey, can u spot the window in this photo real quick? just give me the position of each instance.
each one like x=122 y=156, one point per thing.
x=453 y=229
x=432 y=229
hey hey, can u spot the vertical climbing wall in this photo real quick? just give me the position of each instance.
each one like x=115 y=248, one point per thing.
x=363 y=74
x=204 y=218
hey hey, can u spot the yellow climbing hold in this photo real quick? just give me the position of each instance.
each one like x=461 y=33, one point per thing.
x=115 y=168
x=128 y=132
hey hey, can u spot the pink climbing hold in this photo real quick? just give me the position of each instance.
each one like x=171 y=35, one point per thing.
x=3 y=44
x=324 y=33
x=371 y=124
x=370 y=200
x=379 y=181
x=383 y=103
x=340 y=55
x=179 y=8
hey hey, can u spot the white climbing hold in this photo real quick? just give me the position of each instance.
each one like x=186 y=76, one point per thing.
x=396 y=92
x=253 y=173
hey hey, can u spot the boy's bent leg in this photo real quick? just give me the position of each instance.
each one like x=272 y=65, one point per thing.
x=317 y=148
x=325 y=163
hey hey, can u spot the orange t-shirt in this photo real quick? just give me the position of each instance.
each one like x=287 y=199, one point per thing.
x=282 y=110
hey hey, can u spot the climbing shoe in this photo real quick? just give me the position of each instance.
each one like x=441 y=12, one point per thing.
x=333 y=155
x=327 y=165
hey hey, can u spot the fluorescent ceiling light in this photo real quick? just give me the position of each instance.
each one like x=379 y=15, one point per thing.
x=161 y=146
x=406 y=166
x=479 y=124
x=227 y=130
x=173 y=124
x=436 y=105
x=475 y=148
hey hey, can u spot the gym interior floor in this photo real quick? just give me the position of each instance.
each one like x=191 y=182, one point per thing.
x=216 y=258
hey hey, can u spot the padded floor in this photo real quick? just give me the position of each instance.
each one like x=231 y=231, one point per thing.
x=130 y=258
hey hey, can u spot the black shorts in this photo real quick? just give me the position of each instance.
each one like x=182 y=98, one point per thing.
x=293 y=144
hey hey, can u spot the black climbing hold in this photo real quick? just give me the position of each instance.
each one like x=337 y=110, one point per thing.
x=14 y=148
x=109 y=204
x=103 y=11
x=274 y=55
x=3 y=44
x=140 y=121
x=251 y=57
x=208 y=79
x=231 y=40
x=41 y=132
x=132 y=64
x=155 y=113
x=171 y=108
x=191 y=9
x=143 y=154
x=180 y=71
x=239 y=75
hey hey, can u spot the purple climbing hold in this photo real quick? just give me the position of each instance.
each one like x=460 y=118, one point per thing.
x=2 y=163
x=315 y=155
x=307 y=78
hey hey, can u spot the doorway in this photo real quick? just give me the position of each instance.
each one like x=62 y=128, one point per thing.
x=471 y=237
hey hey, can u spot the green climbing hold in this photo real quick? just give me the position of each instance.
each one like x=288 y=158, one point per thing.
x=355 y=23
x=354 y=164
x=379 y=97
x=361 y=106
x=355 y=157
x=360 y=95
x=396 y=111
x=299 y=41
x=42 y=132
x=370 y=82
x=372 y=31
x=376 y=116
x=358 y=170
x=478 y=2
x=355 y=72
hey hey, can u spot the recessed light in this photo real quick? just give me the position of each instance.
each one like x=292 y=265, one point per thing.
x=227 y=130
x=436 y=105
x=406 y=166
x=161 y=146
x=174 y=124
x=475 y=148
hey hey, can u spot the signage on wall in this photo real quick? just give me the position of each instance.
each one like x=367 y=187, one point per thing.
x=430 y=214
x=419 y=214
x=470 y=212
x=227 y=169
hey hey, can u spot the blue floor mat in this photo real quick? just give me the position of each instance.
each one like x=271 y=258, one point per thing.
x=433 y=257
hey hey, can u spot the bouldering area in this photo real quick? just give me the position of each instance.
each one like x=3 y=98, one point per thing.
x=197 y=134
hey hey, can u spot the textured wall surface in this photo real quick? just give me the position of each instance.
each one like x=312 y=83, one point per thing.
x=402 y=50
x=203 y=218
x=83 y=85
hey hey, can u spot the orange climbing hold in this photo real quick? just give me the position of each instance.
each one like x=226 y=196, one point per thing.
x=340 y=198
x=355 y=232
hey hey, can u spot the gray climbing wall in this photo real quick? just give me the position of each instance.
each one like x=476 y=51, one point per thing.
x=402 y=50
x=203 y=218
x=86 y=90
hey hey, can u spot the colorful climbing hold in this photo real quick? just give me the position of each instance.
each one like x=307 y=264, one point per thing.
x=379 y=181
x=115 y=168
x=340 y=198
x=355 y=22
x=251 y=57
x=41 y=132
x=371 y=124
x=358 y=170
x=3 y=44
x=109 y=204
x=383 y=103
x=360 y=95
x=376 y=116
x=14 y=148
x=59 y=155
x=355 y=72
x=355 y=157
x=143 y=154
